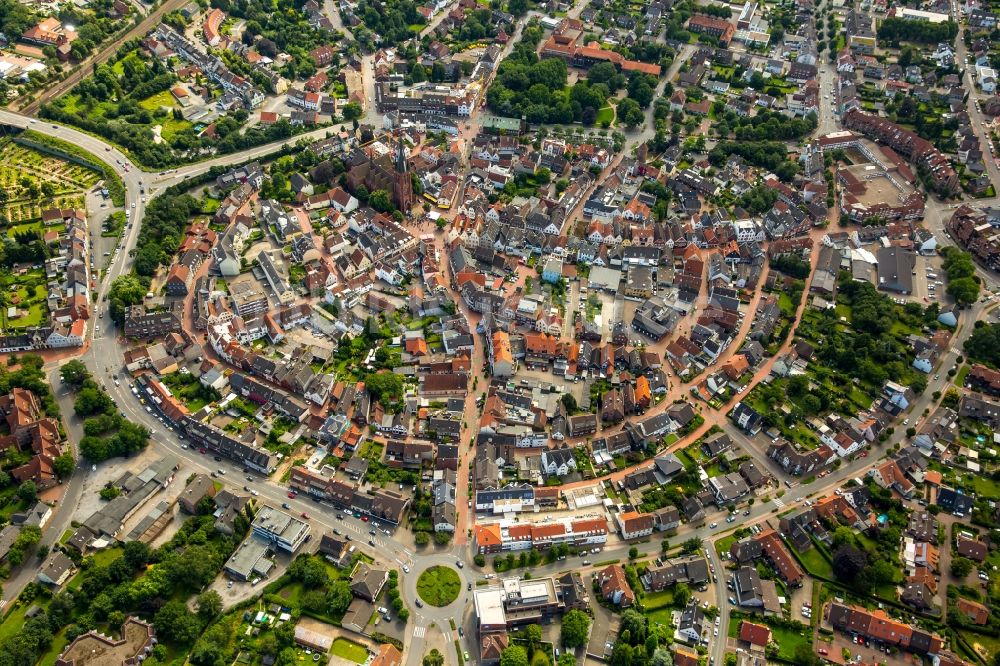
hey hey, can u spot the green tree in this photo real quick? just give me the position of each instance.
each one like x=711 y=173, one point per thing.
x=682 y=594
x=574 y=629
x=125 y=290
x=352 y=111
x=421 y=538
x=434 y=658
x=514 y=655
x=961 y=566
x=74 y=373
x=209 y=605
x=533 y=634
x=633 y=552
x=661 y=657
x=379 y=200
x=964 y=290
x=64 y=465
x=630 y=113
x=313 y=573
x=385 y=386
x=517 y=7
x=27 y=491
x=136 y=554
x=691 y=545
x=339 y=597
x=175 y=622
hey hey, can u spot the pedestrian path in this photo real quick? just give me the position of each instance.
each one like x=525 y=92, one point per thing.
x=419 y=631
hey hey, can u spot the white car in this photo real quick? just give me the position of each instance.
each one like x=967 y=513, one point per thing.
x=406 y=569
x=715 y=632
x=713 y=526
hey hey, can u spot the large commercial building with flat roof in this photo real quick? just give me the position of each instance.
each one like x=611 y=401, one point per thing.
x=249 y=561
x=273 y=530
x=515 y=602
x=279 y=529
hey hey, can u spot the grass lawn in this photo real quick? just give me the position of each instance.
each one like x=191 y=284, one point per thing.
x=164 y=98
x=985 y=486
x=13 y=622
x=987 y=646
x=962 y=373
x=347 y=649
x=788 y=640
x=816 y=564
x=540 y=659
x=605 y=114
x=660 y=599
x=662 y=615
x=684 y=456
x=103 y=558
x=292 y=594
x=724 y=544
x=439 y=586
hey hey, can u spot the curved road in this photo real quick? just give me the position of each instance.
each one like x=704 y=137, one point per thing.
x=104 y=357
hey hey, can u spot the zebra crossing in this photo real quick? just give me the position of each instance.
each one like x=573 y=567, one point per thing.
x=778 y=504
x=419 y=631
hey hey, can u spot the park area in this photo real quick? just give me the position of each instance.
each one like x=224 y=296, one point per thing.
x=439 y=586
x=31 y=181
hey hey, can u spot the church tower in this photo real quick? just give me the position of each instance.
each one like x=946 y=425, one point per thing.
x=402 y=191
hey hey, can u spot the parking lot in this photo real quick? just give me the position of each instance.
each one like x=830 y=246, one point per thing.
x=928 y=281
x=866 y=654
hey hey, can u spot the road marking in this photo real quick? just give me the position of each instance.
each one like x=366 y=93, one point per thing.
x=447 y=636
x=419 y=631
x=778 y=503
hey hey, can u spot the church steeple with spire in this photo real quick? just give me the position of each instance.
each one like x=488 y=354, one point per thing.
x=403 y=186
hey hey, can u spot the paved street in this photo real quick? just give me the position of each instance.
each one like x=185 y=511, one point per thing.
x=103 y=355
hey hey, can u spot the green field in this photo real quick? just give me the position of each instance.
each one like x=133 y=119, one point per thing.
x=605 y=114
x=347 y=649
x=439 y=586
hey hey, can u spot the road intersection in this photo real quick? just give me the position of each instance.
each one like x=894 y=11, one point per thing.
x=103 y=354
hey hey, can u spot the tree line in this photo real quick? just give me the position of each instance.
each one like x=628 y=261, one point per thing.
x=923 y=32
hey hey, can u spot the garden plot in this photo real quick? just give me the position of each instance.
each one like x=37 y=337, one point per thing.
x=33 y=181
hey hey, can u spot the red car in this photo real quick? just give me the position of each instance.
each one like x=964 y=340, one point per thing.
x=823 y=651
x=864 y=454
x=364 y=519
x=202 y=451
x=305 y=515
x=292 y=494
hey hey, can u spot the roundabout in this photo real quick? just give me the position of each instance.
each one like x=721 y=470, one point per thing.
x=439 y=586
